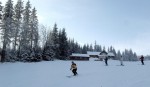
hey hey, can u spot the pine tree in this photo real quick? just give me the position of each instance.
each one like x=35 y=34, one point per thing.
x=104 y=49
x=91 y=47
x=135 y=57
x=42 y=35
x=73 y=50
x=77 y=48
x=18 y=10
x=70 y=46
x=131 y=56
x=87 y=47
x=0 y=23
x=49 y=51
x=25 y=32
x=114 y=52
x=0 y=11
x=84 y=49
x=63 y=44
x=18 y=19
x=55 y=40
x=1 y=8
x=118 y=56
x=95 y=46
x=34 y=35
x=7 y=27
x=34 y=29
x=125 y=55
x=111 y=49
x=99 y=48
x=128 y=55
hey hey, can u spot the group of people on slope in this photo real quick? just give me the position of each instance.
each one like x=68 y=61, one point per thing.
x=74 y=66
x=121 y=60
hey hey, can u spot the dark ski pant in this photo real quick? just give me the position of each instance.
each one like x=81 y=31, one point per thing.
x=74 y=72
x=106 y=62
x=142 y=61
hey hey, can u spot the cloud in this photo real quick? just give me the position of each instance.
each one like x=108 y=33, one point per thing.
x=140 y=44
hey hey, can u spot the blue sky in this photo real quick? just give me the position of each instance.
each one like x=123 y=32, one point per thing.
x=120 y=23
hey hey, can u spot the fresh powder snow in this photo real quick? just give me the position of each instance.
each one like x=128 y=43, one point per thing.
x=90 y=74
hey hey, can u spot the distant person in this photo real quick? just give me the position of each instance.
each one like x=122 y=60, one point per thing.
x=106 y=59
x=0 y=57
x=142 y=59
x=74 y=68
x=121 y=61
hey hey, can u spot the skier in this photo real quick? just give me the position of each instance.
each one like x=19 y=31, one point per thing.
x=121 y=61
x=74 y=68
x=106 y=59
x=142 y=59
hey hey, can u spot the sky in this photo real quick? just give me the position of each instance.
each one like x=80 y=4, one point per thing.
x=123 y=24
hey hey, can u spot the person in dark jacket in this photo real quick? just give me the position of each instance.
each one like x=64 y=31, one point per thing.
x=121 y=61
x=106 y=59
x=74 y=68
x=142 y=59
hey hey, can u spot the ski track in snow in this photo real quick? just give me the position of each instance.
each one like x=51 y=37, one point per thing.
x=91 y=74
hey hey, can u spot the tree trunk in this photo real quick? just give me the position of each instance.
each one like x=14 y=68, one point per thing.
x=3 y=52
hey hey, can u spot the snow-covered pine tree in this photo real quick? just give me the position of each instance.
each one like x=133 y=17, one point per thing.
x=87 y=47
x=34 y=36
x=128 y=55
x=0 y=25
x=99 y=48
x=18 y=10
x=111 y=49
x=42 y=40
x=70 y=47
x=131 y=56
x=84 y=49
x=34 y=29
x=63 y=44
x=118 y=55
x=95 y=46
x=0 y=11
x=42 y=35
x=135 y=57
x=114 y=52
x=104 y=48
x=78 y=48
x=49 y=50
x=125 y=55
x=59 y=42
x=74 y=47
x=7 y=28
x=25 y=32
x=55 y=41
x=108 y=49
x=91 y=47
x=1 y=8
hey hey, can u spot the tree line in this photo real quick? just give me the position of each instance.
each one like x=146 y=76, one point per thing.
x=23 y=39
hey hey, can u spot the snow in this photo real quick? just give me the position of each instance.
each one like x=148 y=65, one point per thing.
x=91 y=74
x=110 y=54
x=93 y=53
x=80 y=55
